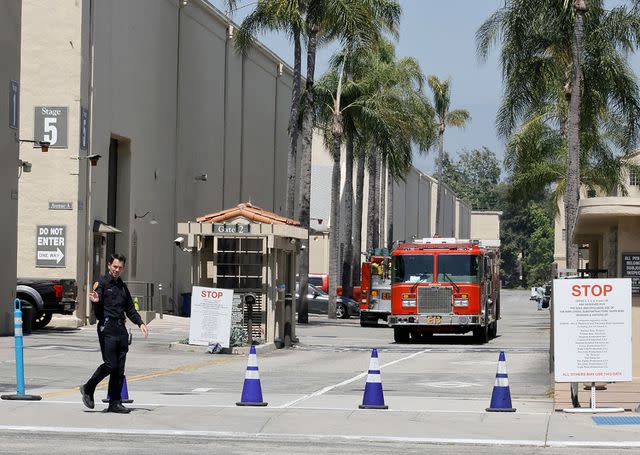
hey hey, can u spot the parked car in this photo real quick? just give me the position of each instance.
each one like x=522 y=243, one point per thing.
x=318 y=302
x=47 y=296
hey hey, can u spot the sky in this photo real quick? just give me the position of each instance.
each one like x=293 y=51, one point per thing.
x=440 y=34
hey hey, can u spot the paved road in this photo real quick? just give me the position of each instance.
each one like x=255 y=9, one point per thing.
x=437 y=393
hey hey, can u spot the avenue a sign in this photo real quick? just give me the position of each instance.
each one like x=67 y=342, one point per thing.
x=592 y=330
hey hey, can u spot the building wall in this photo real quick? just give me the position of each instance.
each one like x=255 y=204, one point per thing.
x=463 y=220
x=629 y=242
x=10 y=19
x=50 y=76
x=485 y=225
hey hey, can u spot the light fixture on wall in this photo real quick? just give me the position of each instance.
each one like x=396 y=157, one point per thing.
x=151 y=221
x=24 y=166
x=44 y=145
x=201 y=177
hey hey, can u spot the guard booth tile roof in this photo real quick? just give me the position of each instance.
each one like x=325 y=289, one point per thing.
x=250 y=212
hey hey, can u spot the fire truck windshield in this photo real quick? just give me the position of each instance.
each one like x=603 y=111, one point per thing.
x=412 y=268
x=459 y=268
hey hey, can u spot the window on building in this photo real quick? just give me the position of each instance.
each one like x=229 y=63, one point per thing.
x=634 y=178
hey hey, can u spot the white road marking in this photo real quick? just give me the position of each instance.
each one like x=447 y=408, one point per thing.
x=449 y=384
x=315 y=437
x=139 y=404
x=349 y=381
x=202 y=389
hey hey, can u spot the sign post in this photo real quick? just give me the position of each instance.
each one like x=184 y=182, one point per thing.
x=592 y=333
x=210 y=316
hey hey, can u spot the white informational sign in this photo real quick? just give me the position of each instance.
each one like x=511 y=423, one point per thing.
x=210 y=316
x=592 y=330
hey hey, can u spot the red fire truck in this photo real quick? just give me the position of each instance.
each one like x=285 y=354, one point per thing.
x=375 y=296
x=445 y=285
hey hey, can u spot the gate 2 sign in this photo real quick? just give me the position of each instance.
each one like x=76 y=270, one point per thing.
x=50 y=125
x=51 y=246
x=592 y=330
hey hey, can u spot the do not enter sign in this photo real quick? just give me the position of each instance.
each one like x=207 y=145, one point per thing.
x=51 y=246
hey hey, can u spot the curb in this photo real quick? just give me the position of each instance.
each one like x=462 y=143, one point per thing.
x=238 y=350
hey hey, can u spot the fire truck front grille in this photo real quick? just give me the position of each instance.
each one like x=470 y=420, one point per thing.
x=434 y=299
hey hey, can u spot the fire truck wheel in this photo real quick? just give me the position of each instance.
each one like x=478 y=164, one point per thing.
x=481 y=334
x=493 y=329
x=368 y=323
x=401 y=334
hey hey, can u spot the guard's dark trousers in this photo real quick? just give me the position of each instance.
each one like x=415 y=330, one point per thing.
x=114 y=343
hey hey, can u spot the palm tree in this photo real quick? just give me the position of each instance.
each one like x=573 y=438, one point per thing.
x=374 y=108
x=569 y=59
x=286 y=16
x=444 y=117
x=536 y=157
x=357 y=24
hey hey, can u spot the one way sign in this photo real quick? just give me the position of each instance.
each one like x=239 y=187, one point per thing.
x=51 y=246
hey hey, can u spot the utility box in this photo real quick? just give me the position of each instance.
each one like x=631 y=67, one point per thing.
x=253 y=252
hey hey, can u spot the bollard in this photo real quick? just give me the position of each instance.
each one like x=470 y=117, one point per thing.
x=20 y=395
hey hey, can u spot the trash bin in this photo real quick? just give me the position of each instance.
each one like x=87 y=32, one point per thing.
x=186 y=304
x=27 y=317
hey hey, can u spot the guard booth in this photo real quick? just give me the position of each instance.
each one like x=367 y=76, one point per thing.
x=253 y=252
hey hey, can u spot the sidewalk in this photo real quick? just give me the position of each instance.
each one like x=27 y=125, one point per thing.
x=617 y=395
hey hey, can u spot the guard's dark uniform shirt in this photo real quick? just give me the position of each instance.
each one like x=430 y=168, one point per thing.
x=115 y=301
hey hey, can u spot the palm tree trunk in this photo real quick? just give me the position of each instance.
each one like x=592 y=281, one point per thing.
x=390 y=185
x=346 y=225
x=572 y=195
x=439 y=206
x=357 y=220
x=372 y=209
x=334 y=232
x=382 y=205
x=293 y=125
x=305 y=170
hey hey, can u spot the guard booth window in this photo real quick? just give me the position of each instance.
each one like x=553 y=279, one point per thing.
x=240 y=263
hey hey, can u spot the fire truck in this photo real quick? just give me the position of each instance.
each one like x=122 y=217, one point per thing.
x=445 y=285
x=375 y=296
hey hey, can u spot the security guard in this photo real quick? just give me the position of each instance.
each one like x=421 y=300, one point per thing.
x=112 y=300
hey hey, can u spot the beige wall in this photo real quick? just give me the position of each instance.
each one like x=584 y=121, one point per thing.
x=10 y=17
x=50 y=76
x=485 y=225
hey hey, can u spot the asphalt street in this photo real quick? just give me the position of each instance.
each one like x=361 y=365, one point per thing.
x=184 y=402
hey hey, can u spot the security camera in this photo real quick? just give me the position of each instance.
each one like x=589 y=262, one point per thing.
x=179 y=241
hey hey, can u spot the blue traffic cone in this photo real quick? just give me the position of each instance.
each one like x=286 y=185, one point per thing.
x=251 y=390
x=124 y=393
x=373 y=397
x=501 y=396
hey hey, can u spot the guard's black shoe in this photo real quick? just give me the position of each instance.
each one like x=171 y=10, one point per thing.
x=87 y=398
x=118 y=408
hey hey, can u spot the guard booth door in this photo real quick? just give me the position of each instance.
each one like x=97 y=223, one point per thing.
x=240 y=263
